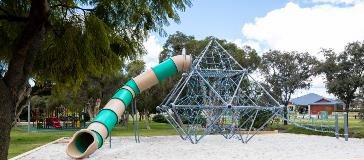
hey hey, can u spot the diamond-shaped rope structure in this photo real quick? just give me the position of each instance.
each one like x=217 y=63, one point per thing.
x=218 y=96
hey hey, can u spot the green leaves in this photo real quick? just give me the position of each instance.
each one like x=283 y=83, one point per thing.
x=286 y=72
x=135 y=68
x=89 y=38
x=83 y=50
x=345 y=71
x=247 y=57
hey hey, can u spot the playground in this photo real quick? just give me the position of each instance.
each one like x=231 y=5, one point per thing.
x=182 y=79
x=264 y=146
x=222 y=119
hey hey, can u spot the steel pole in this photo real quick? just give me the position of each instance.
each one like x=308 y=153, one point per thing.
x=29 y=116
x=337 y=125
x=346 y=129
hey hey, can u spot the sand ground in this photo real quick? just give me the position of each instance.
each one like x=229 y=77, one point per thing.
x=261 y=147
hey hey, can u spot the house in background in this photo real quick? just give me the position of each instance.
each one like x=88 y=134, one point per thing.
x=313 y=104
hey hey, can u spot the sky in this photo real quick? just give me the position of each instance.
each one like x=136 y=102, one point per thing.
x=299 y=25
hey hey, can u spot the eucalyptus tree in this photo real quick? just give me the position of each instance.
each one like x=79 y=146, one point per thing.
x=247 y=57
x=65 y=41
x=344 y=72
x=285 y=72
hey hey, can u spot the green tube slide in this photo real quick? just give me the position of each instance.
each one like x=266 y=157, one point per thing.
x=133 y=86
x=87 y=141
x=165 y=70
x=109 y=119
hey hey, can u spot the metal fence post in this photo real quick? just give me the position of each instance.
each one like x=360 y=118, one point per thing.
x=346 y=129
x=337 y=125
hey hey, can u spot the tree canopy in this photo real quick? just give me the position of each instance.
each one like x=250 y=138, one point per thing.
x=345 y=71
x=246 y=56
x=87 y=37
x=285 y=72
x=68 y=41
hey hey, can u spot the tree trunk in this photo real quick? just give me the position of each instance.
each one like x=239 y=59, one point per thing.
x=7 y=113
x=126 y=119
x=23 y=103
x=285 y=115
x=12 y=86
x=147 y=119
x=89 y=111
x=347 y=107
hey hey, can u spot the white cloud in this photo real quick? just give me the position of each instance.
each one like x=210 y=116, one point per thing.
x=318 y=87
x=254 y=44
x=308 y=29
x=338 y=1
x=153 y=49
x=325 y=25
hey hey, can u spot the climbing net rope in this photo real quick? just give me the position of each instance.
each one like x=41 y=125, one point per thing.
x=218 y=96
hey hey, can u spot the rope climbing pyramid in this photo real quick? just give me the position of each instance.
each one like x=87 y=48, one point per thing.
x=218 y=96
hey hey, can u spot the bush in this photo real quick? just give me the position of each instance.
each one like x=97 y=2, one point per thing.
x=159 y=119
x=199 y=119
x=361 y=114
x=262 y=117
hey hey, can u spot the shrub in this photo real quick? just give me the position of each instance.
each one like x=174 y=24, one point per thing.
x=159 y=119
x=361 y=114
x=199 y=119
x=262 y=117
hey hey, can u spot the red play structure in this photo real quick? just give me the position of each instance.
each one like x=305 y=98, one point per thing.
x=53 y=121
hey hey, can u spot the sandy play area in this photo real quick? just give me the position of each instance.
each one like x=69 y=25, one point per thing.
x=261 y=147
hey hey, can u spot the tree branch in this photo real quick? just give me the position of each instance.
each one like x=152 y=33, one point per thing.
x=5 y=11
x=73 y=7
x=11 y=18
x=22 y=59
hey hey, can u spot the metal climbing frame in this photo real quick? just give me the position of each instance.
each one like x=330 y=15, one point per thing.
x=218 y=96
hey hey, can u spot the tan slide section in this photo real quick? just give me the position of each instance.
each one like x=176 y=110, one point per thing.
x=117 y=106
x=99 y=128
x=90 y=140
x=130 y=89
x=182 y=62
x=146 y=80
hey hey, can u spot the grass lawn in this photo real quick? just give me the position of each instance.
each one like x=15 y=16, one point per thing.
x=22 y=141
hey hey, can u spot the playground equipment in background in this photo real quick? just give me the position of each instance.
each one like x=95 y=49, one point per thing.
x=54 y=122
x=218 y=96
x=59 y=118
x=87 y=141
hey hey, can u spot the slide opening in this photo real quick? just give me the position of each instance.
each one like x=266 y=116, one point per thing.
x=83 y=141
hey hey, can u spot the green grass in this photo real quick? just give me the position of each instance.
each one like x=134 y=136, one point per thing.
x=22 y=141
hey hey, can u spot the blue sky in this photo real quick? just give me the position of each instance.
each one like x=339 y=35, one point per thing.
x=224 y=18
x=300 y=25
x=221 y=18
